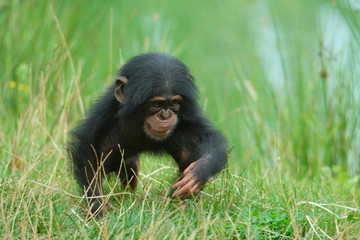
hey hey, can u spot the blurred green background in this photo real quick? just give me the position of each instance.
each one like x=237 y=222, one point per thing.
x=279 y=78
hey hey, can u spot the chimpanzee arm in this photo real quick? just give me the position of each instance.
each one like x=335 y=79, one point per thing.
x=87 y=170
x=201 y=153
x=213 y=152
x=86 y=149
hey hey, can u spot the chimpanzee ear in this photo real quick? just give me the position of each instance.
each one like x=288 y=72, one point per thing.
x=189 y=76
x=120 y=85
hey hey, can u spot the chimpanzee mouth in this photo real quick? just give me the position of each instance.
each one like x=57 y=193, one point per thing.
x=157 y=133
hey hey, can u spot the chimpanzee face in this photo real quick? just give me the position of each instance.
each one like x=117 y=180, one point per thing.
x=161 y=112
x=162 y=116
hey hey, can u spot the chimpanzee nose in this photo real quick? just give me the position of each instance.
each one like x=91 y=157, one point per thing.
x=165 y=114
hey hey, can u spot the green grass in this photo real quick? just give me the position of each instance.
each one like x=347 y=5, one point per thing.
x=279 y=78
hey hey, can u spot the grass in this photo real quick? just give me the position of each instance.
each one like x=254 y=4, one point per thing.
x=279 y=78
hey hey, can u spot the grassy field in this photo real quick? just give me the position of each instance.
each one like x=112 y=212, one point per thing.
x=279 y=78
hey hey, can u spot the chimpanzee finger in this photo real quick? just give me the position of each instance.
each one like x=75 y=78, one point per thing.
x=182 y=182
x=189 y=168
x=184 y=189
x=195 y=189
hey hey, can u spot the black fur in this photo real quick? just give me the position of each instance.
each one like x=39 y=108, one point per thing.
x=111 y=124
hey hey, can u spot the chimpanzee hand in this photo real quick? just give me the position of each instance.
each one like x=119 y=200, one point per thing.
x=189 y=185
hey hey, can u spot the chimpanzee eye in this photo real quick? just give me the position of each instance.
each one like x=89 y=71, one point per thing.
x=174 y=104
x=155 y=105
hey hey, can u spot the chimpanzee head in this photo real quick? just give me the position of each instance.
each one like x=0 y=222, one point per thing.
x=158 y=91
